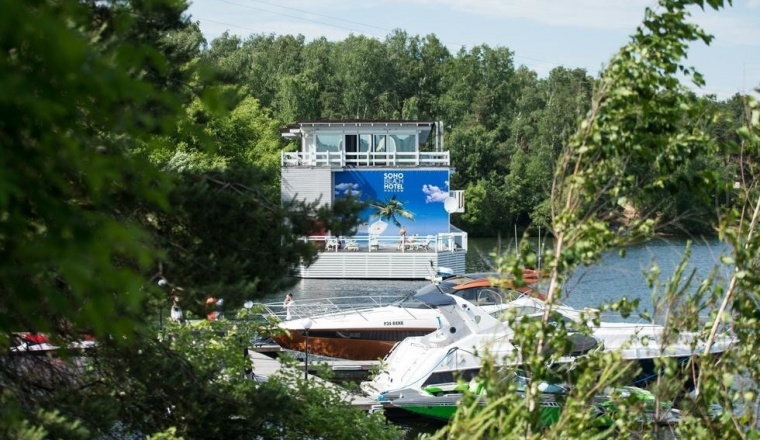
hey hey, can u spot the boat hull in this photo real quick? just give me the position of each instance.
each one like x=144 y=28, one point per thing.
x=359 y=332
x=443 y=408
x=367 y=345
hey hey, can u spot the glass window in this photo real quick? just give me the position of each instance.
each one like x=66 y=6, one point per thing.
x=365 y=142
x=404 y=143
x=526 y=310
x=510 y=295
x=329 y=142
x=381 y=141
x=488 y=297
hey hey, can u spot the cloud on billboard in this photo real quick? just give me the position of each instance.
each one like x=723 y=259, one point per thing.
x=434 y=194
x=344 y=189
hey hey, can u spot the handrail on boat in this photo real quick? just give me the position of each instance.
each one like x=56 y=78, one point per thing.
x=409 y=311
x=308 y=308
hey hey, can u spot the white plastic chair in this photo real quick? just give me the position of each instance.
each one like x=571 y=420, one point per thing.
x=424 y=244
x=332 y=244
x=374 y=243
x=411 y=243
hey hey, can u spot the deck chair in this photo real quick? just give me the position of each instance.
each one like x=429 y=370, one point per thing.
x=423 y=244
x=411 y=242
x=331 y=244
x=374 y=243
x=351 y=245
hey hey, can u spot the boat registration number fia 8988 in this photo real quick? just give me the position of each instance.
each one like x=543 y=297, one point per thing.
x=387 y=323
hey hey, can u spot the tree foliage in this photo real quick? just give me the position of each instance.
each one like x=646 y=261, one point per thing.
x=133 y=151
x=628 y=152
x=506 y=128
x=123 y=162
x=72 y=109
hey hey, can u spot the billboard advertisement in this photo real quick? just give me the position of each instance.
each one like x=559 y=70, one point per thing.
x=408 y=199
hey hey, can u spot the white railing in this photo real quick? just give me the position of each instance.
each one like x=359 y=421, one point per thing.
x=448 y=241
x=367 y=159
x=303 y=308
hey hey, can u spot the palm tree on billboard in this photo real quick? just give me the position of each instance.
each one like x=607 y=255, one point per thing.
x=390 y=210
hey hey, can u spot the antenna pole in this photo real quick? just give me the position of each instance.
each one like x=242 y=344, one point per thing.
x=517 y=252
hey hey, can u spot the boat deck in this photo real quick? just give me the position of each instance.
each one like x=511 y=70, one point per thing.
x=310 y=307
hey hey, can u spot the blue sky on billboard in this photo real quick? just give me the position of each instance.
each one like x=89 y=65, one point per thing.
x=543 y=34
x=421 y=193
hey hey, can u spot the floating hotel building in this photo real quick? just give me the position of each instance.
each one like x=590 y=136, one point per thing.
x=402 y=170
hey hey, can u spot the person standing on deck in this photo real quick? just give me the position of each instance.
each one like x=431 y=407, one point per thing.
x=287 y=304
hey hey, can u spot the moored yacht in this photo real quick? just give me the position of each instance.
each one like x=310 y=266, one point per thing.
x=455 y=349
x=369 y=332
x=435 y=404
x=40 y=343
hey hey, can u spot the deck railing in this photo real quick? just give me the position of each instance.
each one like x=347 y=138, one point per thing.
x=443 y=242
x=365 y=159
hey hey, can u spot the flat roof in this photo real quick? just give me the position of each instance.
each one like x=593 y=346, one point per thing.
x=296 y=126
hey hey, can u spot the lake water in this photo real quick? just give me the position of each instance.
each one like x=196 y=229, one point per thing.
x=591 y=286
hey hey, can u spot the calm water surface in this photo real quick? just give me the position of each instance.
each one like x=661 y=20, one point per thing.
x=613 y=278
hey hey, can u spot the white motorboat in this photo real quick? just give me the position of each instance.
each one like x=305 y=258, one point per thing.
x=454 y=350
x=370 y=330
x=440 y=405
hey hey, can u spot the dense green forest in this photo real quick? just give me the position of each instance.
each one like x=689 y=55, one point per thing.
x=506 y=127
x=140 y=163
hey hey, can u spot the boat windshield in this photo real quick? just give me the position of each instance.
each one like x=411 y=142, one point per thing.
x=411 y=302
x=478 y=290
x=522 y=381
